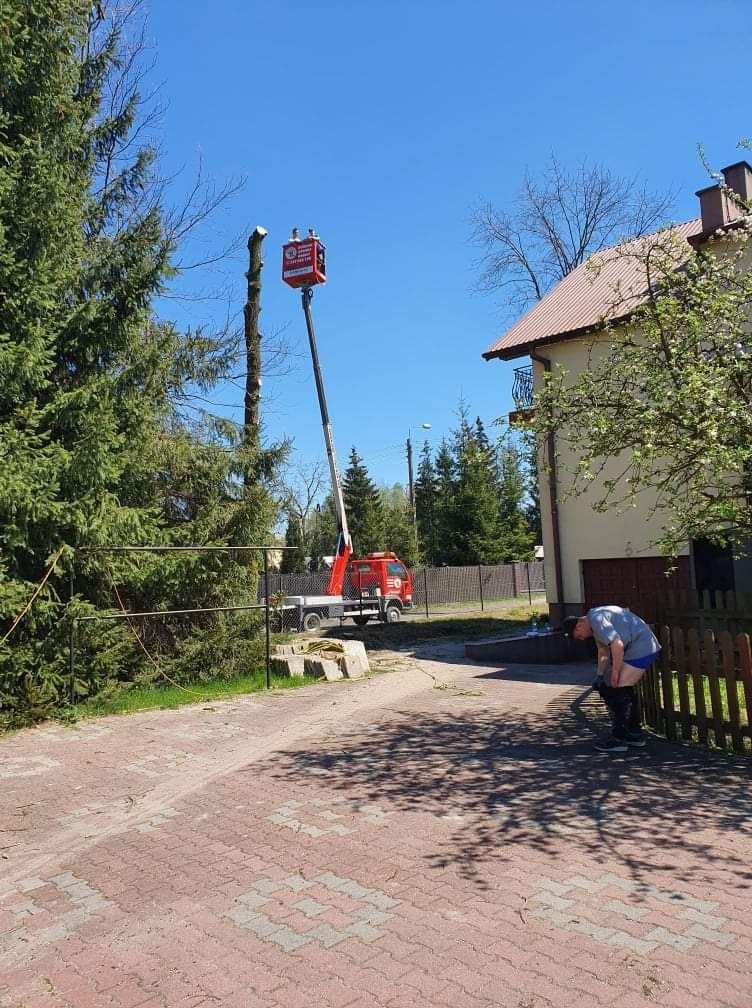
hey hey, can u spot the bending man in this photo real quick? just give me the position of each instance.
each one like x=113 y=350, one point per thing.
x=626 y=648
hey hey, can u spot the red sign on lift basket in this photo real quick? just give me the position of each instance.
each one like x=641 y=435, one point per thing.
x=304 y=262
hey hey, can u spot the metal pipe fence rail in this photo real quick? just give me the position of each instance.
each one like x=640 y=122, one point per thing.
x=264 y=605
x=437 y=589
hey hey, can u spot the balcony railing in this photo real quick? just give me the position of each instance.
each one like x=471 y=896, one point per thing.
x=522 y=388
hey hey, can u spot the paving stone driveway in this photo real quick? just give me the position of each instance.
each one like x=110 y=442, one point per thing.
x=440 y=835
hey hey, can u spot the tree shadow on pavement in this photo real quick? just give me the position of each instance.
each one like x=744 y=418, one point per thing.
x=495 y=782
x=445 y=630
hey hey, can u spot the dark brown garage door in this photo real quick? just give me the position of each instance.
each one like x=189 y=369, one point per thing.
x=634 y=582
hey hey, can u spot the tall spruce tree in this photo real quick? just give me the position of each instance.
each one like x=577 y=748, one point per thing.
x=476 y=491
x=444 y=529
x=294 y=560
x=476 y=526
x=399 y=535
x=322 y=536
x=517 y=535
x=365 y=511
x=94 y=450
x=529 y=467
x=426 y=507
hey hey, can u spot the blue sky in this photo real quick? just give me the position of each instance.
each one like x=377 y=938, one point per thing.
x=383 y=126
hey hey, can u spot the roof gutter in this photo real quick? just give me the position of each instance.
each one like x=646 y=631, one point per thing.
x=698 y=240
x=524 y=349
x=552 y=492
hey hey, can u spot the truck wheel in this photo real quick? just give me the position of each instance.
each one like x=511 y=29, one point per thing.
x=393 y=614
x=311 y=621
x=360 y=620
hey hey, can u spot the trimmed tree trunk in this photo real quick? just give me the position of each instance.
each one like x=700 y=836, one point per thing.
x=253 y=338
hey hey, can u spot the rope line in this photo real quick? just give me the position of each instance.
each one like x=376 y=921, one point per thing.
x=135 y=633
x=39 y=587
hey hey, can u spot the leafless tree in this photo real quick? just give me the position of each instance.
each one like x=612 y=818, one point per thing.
x=127 y=160
x=298 y=490
x=130 y=184
x=556 y=221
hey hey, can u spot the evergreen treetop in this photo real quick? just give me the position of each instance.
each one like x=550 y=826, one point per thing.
x=363 y=505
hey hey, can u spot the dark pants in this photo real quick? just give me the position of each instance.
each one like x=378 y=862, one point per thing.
x=623 y=706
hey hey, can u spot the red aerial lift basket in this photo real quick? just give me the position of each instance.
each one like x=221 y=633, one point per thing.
x=304 y=262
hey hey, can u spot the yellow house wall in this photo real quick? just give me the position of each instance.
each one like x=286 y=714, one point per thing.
x=585 y=534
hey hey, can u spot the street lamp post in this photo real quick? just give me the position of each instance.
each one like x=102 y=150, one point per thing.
x=411 y=484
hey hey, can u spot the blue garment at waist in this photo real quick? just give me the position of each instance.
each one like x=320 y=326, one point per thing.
x=645 y=662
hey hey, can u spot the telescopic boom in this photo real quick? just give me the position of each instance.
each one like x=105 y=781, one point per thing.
x=343 y=550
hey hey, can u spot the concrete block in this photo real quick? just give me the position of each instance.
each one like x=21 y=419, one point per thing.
x=297 y=665
x=353 y=666
x=544 y=649
x=288 y=665
x=315 y=666
x=284 y=649
x=278 y=665
x=356 y=648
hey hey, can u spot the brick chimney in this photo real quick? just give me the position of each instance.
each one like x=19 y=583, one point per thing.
x=718 y=207
x=739 y=178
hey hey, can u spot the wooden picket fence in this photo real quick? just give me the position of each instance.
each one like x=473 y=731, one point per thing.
x=703 y=610
x=700 y=690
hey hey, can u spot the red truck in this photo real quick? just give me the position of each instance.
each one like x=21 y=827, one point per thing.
x=377 y=586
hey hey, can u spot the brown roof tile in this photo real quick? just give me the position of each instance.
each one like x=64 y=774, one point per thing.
x=609 y=285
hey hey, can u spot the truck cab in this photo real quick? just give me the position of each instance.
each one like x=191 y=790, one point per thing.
x=383 y=575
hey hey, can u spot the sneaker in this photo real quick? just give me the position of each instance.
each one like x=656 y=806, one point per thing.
x=611 y=744
x=635 y=740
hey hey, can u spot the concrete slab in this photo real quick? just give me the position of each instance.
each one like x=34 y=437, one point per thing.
x=543 y=649
x=353 y=666
x=288 y=665
x=315 y=665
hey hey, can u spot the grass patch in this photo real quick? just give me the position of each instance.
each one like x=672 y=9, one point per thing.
x=721 y=741
x=740 y=695
x=129 y=700
x=490 y=605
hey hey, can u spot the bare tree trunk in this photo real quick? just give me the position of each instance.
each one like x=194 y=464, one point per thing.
x=253 y=338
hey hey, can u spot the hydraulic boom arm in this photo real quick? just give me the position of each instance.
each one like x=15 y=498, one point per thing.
x=344 y=543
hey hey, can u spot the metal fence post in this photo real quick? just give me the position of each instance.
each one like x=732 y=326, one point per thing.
x=266 y=617
x=515 y=592
x=529 y=592
x=480 y=585
x=425 y=590
x=71 y=635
